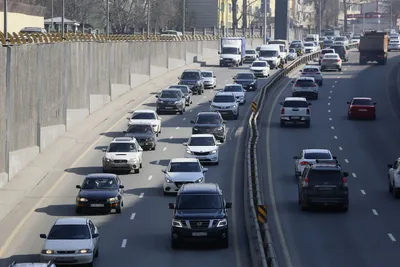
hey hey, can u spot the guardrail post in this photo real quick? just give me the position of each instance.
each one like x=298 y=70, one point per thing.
x=261 y=31
x=193 y=31
x=252 y=31
x=214 y=29
x=142 y=31
x=205 y=31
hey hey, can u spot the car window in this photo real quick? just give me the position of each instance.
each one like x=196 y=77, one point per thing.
x=207 y=74
x=208 y=119
x=310 y=70
x=201 y=141
x=327 y=51
x=245 y=76
x=199 y=202
x=184 y=167
x=338 y=49
x=139 y=128
x=304 y=83
x=291 y=50
x=224 y=99
x=268 y=53
x=143 y=116
x=317 y=155
x=170 y=94
x=331 y=57
x=362 y=102
x=259 y=64
x=184 y=89
x=121 y=147
x=250 y=52
x=63 y=232
x=92 y=228
x=100 y=183
x=295 y=104
x=329 y=177
x=190 y=75
x=232 y=88
x=308 y=44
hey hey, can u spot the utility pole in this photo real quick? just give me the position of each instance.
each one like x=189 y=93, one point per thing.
x=108 y=19
x=320 y=18
x=184 y=18
x=391 y=14
x=148 y=18
x=265 y=22
x=62 y=20
x=5 y=20
x=52 y=15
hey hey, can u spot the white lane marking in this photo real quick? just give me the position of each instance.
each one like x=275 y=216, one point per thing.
x=133 y=215
x=338 y=78
x=333 y=128
x=336 y=81
x=171 y=137
x=335 y=137
x=184 y=119
x=204 y=96
x=191 y=110
x=330 y=119
x=231 y=133
x=332 y=87
x=363 y=192
x=124 y=241
x=329 y=110
x=340 y=148
x=150 y=177
x=330 y=92
x=375 y=212
x=329 y=104
x=346 y=160
x=165 y=148
x=345 y=69
x=354 y=175
x=177 y=128
x=329 y=98
x=141 y=195
x=391 y=237
x=158 y=162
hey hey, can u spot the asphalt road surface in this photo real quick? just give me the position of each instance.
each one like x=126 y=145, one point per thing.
x=369 y=234
x=140 y=236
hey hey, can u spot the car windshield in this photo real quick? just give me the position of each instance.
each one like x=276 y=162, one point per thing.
x=268 y=53
x=207 y=74
x=310 y=70
x=259 y=64
x=362 y=102
x=99 y=183
x=190 y=76
x=208 y=119
x=244 y=76
x=184 y=167
x=224 y=99
x=143 y=116
x=250 y=52
x=317 y=155
x=331 y=57
x=356 y=37
x=63 y=232
x=170 y=94
x=340 y=38
x=328 y=42
x=201 y=141
x=304 y=83
x=199 y=202
x=121 y=147
x=291 y=50
x=230 y=50
x=327 y=51
x=298 y=45
x=184 y=89
x=328 y=177
x=140 y=129
x=308 y=44
x=233 y=88
x=295 y=104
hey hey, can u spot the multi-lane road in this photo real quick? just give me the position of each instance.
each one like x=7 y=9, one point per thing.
x=140 y=236
x=369 y=234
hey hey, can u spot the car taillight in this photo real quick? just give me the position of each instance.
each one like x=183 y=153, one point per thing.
x=319 y=73
x=314 y=85
x=305 y=182
x=282 y=111
x=308 y=111
x=344 y=180
x=379 y=56
x=337 y=60
x=304 y=163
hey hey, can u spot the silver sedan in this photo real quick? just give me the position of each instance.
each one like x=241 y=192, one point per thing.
x=210 y=80
x=331 y=61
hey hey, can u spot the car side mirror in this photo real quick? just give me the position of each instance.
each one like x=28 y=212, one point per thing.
x=295 y=157
x=179 y=78
x=192 y=122
x=348 y=103
x=43 y=236
x=156 y=96
x=281 y=103
x=345 y=174
x=309 y=104
x=300 y=70
x=171 y=206
x=78 y=186
x=390 y=166
x=217 y=143
x=334 y=157
x=223 y=122
x=104 y=149
x=95 y=235
x=214 y=76
x=185 y=144
x=122 y=186
x=205 y=170
x=164 y=171
x=124 y=132
x=228 y=205
x=140 y=149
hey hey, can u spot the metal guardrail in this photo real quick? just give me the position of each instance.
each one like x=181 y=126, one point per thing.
x=263 y=243
x=56 y=37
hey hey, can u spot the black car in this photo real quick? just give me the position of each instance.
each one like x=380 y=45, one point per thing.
x=341 y=50
x=324 y=183
x=144 y=134
x=171 y=100
x=186 y=92
x=210 y=123
x=100 y=192
x=247 y=80
x=193 y=79
x=200 y=214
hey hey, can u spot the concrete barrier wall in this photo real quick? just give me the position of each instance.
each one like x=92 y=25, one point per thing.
x=47 y=89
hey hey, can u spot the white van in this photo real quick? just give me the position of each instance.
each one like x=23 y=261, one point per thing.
x=271 y=54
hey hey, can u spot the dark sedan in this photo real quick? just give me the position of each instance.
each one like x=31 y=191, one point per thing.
x=171 y=100
x=144 y=134
x=186 y=92
x=247 y=80
x=210 y=123
x=100 y=192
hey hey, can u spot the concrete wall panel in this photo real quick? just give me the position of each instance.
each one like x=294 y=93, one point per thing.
x=99 y=66
x=158 y=54
x=140 y=57
x=3 y=117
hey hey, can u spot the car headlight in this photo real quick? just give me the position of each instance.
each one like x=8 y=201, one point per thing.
x=81 y=199
x=85 y=251
x=133 y=160
x=177 y=102
x=234 y=106
x=47 y=251
x=112 y=199
x=220 y=128
x=222 y=223
x=176 y=223
x=168 y=180
x=106 y=159
x=199 y=180
x=160 y=101
x=253 y=82
x=188 y=151
x=195 y=129
x=214 y=152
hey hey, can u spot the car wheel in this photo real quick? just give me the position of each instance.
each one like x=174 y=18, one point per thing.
x=225 y=243
x=349 y=117
x=374 y=117
x=308 y=124
x=97 y=253
x=182 y=111
x=321 y=83
x=395 y=193
x=303 y=206
x=137 y=170
x=118 y=209
x=199 y=92
x=105 y=170
x=282 y=124
x=339 y=69
x=141 y=165
x=390 y=186
x=90 y=264
x=216 y=163
x=236 y=116
x=175 y=244
x=316 y=97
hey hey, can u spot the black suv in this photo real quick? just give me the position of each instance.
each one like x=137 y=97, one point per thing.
x=200 y=214
x=341 y=50
x=193 y=79
x=247 y=80
x=210 y=123
x=324 y=183
x=171 y=100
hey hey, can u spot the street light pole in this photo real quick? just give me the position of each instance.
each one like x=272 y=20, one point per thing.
x=108 y=19
x=62 y=20
x=52 y=15
x=265 y=22
x=184 y=18
x=391 y=14
x=148 y=18
x=320 y=18
x=5 y=19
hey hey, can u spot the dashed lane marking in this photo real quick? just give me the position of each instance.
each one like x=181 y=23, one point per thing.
x=335 y=137
x=141 y=195
x=330 y=92
x=150 y=177
x=171 y=137
x=375 y=212
x=340 y=148
x=346 y=160
x=133 y=215
x=177 y=128
x=330 y=119
x=124 y=241
x=165 y=148
x=329 y=110
x=191 y=110
x=329 y=97
x=354 y=175
x=332 y=127
x=184 y=119
x=329 y=104
x=391 y=237
x=335 y=81
x=363 y=192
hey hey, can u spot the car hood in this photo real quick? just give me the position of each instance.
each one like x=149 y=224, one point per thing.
x=200 y=214
x=121 y=155
x=67 y=244
x=236 y=94
x=140 y=135
x=202 y=148
x=258 y=68
x=94 y=193
x=224 y=104
x=184 y=176
x=209 y=79
x=152 y=122
x=240 y=81
x=269 y=58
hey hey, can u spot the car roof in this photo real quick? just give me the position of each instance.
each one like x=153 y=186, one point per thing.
x=250 y=50
x=316 y=150
x=295 y=99
x=208 y=113
x=183 y=160
x=308 y=42
x=201 y=135
x=362 y=98
x=200 y=188
x=123 y=139
x=174 y=86
x=32 y=264
x=233 y=84
x=328 y=49
x=140 y=122
x=259 y=61
x=244 y=73
x=224 y=93
x=144 y=111
x=71 y=221
x=210 y=71
x=100 y=175
x=191 y=70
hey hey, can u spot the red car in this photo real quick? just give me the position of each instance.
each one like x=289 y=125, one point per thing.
x=361 y=108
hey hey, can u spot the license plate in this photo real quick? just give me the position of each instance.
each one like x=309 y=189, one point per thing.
x=362 y=110
x=199 y=234
x=295 y=118
x=97 y=205
x=168 y=107
x=64 y=259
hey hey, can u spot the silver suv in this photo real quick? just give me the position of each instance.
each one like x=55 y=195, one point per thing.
x=295 y=110
x=225 y=103
x=305 y=87
x=123 y=153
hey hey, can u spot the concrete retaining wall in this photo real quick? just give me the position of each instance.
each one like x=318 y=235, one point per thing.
x=48 y=89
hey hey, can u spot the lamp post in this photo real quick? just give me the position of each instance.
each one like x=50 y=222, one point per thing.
x=148 y=18
x=5 y=19
x=52 y=16
x=265 y=22
x=184 y=18
x=108 y=18
x=320 y=18
x=62 y=20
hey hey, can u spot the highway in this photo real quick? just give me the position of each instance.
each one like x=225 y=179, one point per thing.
x=140 y=236
x=369 y=234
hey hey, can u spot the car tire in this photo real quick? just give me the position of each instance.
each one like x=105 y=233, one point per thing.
x=303 y=206
x=175 y=244
x=225 y=243
x=374 y=117
x=321 y=83
x=216 y=163
x=90 y=264
x=137 y=170
x=390 y=186
x=105 y=170
x=141 y=165
x=236 y=116
x=182 y=111
x=118 y=209
x=308 y=124
x=316 y=97
x=349 y=117
x=339 y=69
x=96 y=254
x=199 y=92
x=322 y=69
x=282 y=124
x=395 y=193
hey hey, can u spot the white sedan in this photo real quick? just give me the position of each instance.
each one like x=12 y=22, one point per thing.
x=394 y=178
x=238 y=91
x=203 y=147
x=260 y=68
x=146 y=116
x=309 y=156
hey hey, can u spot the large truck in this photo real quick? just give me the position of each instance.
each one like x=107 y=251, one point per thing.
x=233 y=51
x=374 y=47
